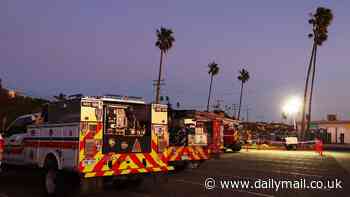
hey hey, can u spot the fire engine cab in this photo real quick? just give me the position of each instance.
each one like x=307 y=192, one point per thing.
x=94 y=137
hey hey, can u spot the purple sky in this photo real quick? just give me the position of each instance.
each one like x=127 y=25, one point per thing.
x=99 y=47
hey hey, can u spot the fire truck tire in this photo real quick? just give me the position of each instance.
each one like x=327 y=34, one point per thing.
x=53 y=178
x=233 y=148
x=236 y=147
x=291 y=147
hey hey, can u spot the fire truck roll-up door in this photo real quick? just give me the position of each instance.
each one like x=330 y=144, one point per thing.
x=160 y=126
x=126 y=129
x=199 y=137
x=215 y=135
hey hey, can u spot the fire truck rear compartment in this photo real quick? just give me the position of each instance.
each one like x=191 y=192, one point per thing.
x=126 y=129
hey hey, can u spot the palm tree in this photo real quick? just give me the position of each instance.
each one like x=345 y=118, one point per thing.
x=243 y=77
x=320 y=22
x=213 y=70
x=164 y=42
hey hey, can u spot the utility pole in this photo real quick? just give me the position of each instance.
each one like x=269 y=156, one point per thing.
x=155 y=87
x=218 y=104
x=247 y=115
x=235 y=109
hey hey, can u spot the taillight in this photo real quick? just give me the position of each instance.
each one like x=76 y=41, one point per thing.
x=2 y=144
x=92 y=146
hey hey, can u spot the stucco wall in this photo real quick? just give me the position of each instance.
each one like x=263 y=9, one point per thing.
x=336 y=130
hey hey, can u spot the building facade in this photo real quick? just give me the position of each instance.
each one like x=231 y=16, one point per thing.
x=337 y=131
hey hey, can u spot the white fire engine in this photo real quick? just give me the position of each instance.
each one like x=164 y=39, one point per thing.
x=92 y=136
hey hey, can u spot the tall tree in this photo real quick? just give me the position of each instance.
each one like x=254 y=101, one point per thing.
x=243 y=77
x=320 y=22
x=164 y=42
x=213 y=70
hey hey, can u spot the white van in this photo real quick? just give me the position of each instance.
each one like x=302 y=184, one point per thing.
x=291 y=143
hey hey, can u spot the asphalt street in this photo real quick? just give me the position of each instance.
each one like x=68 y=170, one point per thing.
x=259 y=168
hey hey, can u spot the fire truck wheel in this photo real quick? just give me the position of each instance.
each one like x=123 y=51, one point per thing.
x=236 y=147
x=53 y=178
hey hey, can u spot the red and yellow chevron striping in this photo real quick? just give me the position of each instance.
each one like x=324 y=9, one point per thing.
x=112 y=164
x=178 y=153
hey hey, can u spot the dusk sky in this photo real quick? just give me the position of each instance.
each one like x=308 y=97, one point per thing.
x=108 y=47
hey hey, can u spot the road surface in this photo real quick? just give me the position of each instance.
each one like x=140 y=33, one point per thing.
x=256 y=167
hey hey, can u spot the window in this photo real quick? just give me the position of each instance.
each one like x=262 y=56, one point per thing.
x=19 y=126
x=124 y=121
x=126 y=128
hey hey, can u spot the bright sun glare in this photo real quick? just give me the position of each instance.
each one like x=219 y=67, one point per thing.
x=292 y=105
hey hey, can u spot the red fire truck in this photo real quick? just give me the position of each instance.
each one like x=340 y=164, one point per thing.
x=92 y=137
x=188 y=139
x=195 y=135
x=232 y=138
x=223 y=133
x=215 y=136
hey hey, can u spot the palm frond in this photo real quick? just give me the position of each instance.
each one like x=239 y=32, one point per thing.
x=243 y=75
x=213 y=68
x=165 y=39
x=320 y=21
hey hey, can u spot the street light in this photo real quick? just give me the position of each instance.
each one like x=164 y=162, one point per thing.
x=291 y=107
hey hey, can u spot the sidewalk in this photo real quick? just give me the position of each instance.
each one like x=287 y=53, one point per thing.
x=335 y=147
x=275 y=147
x=345 y=147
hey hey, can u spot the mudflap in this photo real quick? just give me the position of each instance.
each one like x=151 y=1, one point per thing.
x=91 y=185
x=187 y=165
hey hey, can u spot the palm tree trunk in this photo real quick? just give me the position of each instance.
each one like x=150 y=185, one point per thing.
x=305 y=92
x=240 y=101
x=159 y=78
x=312 y=89
x=211 y=82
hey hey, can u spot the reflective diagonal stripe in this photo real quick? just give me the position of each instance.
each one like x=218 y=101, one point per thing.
x=119 y=164
x=186 y=153
x=99 y=132
x=100 y=164
x=151 y=160
x=136 y=160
